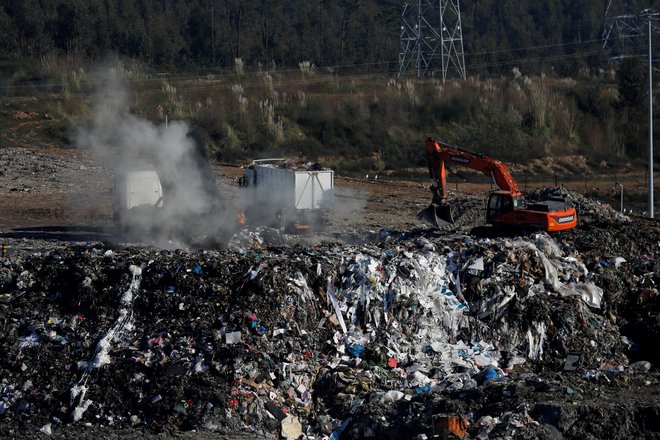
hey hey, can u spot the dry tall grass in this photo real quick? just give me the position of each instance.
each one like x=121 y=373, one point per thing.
x=377 y=122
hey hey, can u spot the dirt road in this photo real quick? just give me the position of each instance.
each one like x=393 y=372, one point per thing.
x=44 y=190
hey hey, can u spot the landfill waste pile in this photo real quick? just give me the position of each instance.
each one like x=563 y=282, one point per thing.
x=392 y=334
x=588 y=208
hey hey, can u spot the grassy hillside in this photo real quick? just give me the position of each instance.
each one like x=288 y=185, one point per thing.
x=352 y=123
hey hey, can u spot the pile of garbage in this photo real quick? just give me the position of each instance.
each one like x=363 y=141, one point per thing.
x=406 y=335
x=291 y=164
x=589 y=209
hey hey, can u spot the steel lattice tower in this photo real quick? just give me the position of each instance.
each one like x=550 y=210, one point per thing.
x=431 y=31
x=624 y=30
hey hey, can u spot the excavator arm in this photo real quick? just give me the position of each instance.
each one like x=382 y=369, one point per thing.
x=437 y=153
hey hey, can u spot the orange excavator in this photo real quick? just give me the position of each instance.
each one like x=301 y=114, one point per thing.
x=506 y=206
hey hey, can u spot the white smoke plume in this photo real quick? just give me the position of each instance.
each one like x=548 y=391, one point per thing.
x=191 y=203
x=349 y=204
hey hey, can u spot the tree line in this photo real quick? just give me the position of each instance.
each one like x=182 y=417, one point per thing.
x=341 y=35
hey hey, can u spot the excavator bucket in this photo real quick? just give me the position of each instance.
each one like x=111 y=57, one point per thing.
x=438 y=215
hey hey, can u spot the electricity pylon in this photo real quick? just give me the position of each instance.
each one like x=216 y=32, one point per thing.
x=623 y=30
x=431 y=38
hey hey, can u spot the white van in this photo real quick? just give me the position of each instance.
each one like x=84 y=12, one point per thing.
x=136 y=193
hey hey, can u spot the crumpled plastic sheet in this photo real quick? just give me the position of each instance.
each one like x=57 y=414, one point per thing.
x=591 y=294
x=412 y=296
x=103 y=347
x=553 y=266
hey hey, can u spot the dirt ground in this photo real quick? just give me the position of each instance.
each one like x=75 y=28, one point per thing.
x=51 y=191
x=51 y=188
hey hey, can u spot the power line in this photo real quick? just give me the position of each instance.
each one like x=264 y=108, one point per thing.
x=216 y=84
x=194 y=75
x=545 y=46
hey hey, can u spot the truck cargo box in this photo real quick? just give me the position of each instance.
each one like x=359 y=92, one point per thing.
x=289 y=188
x=280 y=193
x=136 y=188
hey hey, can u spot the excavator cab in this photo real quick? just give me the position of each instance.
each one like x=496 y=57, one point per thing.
x=501 y=202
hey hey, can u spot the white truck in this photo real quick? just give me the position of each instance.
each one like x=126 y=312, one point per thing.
x=279 y=193
x=138 y=194
x=180 y=199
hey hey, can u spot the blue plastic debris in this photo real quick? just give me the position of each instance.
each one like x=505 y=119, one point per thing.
x=423 y=389
x=356 y=350
x=255 y=324
x=452 y=301
x=389 y=300
x=336 y=435
x=488 y=375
